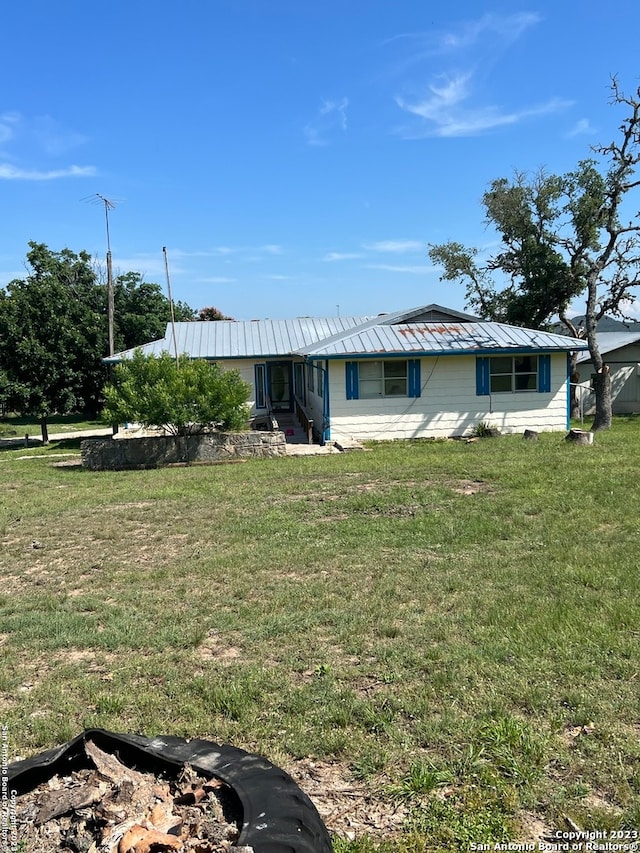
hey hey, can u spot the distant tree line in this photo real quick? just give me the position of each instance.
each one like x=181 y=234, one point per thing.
x=54 y=332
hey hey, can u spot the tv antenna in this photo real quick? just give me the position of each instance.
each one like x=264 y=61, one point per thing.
x=108 y=205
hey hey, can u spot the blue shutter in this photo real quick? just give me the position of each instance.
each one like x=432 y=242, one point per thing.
x=544 y=373
x=482 y=377
x=413 y=377
x=351 y=377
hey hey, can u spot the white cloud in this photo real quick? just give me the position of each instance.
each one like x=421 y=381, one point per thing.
x=331 y=117
x=581 y=128
x=38 y=138
x=395 y=246
x=272 y=249
x=444 y=113
x=8 y=122
x=454 y=102
x=341 y=256
x=13 y=173
x=484 y=37
x=631 y=308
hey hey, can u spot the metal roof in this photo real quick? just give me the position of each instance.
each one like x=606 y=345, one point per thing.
x=246 y=339
x=611 y=341
x=398 y=333
x=441 y=339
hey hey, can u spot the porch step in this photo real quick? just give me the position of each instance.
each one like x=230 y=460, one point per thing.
x=293 y=432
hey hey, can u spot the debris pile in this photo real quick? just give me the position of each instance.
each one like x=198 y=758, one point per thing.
x=111 y=808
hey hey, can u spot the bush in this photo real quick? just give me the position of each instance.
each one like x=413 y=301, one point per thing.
x=185 y=397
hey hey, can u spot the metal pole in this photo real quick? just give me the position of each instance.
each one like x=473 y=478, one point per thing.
x=110 y=304
x=173 y=319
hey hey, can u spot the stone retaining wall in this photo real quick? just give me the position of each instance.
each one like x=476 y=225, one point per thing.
x=114 y=454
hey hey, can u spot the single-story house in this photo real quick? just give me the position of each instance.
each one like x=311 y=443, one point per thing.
x=621 y=352
x=426 y=372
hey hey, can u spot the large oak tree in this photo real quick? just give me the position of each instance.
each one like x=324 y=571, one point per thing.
x=54 y=332
x=562 y=237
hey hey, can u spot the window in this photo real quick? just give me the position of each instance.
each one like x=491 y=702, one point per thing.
x=298 y=381
x=260 y=373
x=514 y=373
x=310 y=376
x=506 y=374
x=319 y=381
x=382 y=379
x=372 y=379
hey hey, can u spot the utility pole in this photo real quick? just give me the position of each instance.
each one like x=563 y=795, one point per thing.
x=173 y=319
x=108 y=205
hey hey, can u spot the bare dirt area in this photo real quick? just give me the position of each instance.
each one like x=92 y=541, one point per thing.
x=348 y=807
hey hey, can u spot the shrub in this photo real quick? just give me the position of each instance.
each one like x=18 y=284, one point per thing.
x=185 y=397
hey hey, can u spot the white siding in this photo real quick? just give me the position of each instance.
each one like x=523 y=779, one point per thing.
x=245 y=368
x=448 y=405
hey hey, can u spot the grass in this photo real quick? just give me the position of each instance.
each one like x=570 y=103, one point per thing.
x=12 y=426
x=452 y=627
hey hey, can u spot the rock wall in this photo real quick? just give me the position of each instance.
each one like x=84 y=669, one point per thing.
x=115 y=454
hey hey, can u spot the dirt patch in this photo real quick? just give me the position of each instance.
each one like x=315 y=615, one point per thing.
x=571 y=734
x=348 y=808
x=469 y=487
x=130 y=505
x=215 y=649
x=532 y=830
x=597 y=802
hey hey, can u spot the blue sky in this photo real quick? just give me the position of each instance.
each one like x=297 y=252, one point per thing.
x=294 y=156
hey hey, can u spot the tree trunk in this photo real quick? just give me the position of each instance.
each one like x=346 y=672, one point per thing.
x=574 y=403
x=45 y=430
x=602 y=387
x=602 y=380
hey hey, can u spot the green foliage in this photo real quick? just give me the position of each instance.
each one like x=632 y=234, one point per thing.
x=212 y=313
x=422 y=778
x=52 y=335
x=142 y=311
x=529 y=214
x=483 y=429
x=185 y=397
x=54 y=332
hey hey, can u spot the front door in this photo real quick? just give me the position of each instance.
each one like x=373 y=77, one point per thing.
x=279 y=385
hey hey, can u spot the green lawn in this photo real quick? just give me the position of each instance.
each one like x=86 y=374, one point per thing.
x=449 y=629
x=16 y=425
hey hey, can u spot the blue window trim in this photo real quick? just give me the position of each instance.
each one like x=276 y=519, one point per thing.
x=483 y=375
x=483 y=378
x=351 y=380
x=544 y=374
x=413 y=377
x=414 y=384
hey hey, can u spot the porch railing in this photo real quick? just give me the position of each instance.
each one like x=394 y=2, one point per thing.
x=304 y=420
